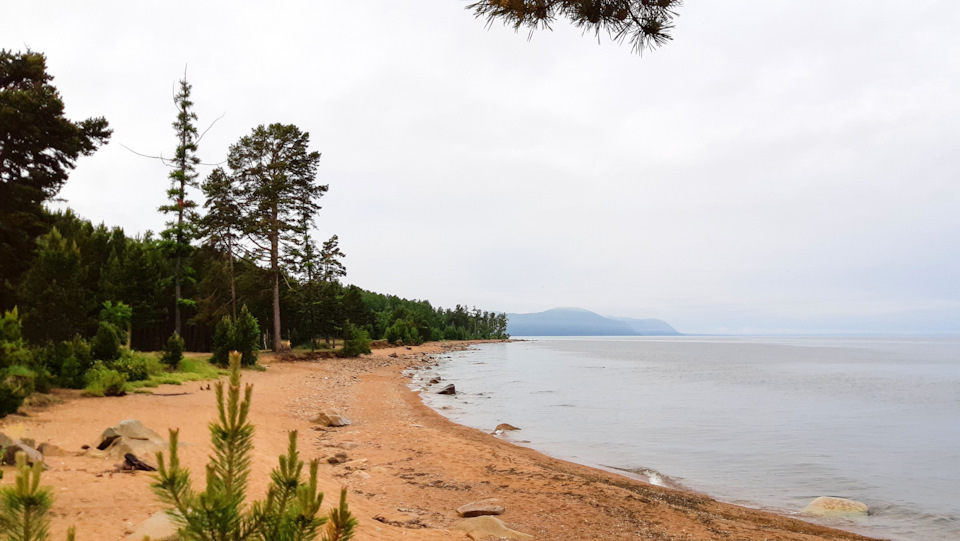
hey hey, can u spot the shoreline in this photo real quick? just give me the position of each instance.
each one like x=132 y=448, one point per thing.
x=408 y=466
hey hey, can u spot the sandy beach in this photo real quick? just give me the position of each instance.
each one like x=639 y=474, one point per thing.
x=407 y=468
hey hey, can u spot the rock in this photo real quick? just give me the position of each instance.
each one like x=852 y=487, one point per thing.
x=481 y=508
x=130 y=437
x=434 y=380
x=360 y=474
x=130 y=429
x=158 y=527
x=479 y=528
x=393 y=355
x=830 y=506
x=505 y=426
x=348 y=445
x=331 y=418
x=49 y=449
x=12 y=446
x=448 y=389
x=398 y=519
x=132 y=463
x=338 y=458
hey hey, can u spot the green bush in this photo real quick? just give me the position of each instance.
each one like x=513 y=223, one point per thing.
x=242 y=335
x=13 y=348
x=137 y=366
x=10 y=400
x=173 y=350
x=106 y=344
x=223 y=341
x=356 y=341
x=103 y=381
x=246 y=335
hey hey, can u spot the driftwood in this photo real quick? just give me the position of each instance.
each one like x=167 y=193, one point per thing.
x=131 y=462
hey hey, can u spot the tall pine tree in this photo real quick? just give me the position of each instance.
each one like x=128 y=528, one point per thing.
x=276 y=172
x=221 y=225
x=181 y=229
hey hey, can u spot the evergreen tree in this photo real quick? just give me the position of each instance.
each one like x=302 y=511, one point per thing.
x=56 y=305
x=645 y=23
x=331 y=268
x=182 y=229
x=39 y=147
x=221 y=225
x=277 y=175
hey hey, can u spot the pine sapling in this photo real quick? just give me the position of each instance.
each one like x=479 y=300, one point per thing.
x=291 y=510
x=24 y=506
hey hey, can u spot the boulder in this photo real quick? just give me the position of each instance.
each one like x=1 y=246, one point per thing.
x=479 y=528
x=434 y=380
x=158 y=527
x=830 y=506
x=481 y=508
x=49 y=449
x=448 y=389
x=130 y=437
x=13 y=446
x=331 y=418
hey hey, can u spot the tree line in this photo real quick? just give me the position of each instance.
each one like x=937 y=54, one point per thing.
x=242 y=260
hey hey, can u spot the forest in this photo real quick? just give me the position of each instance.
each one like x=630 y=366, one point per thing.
x=239 y=269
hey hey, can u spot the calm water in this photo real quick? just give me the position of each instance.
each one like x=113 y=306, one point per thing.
x=763 y=422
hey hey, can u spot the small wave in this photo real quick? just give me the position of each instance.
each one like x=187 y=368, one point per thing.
x=653 y=477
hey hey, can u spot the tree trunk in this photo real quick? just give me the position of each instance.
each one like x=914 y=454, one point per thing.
x=275 y=267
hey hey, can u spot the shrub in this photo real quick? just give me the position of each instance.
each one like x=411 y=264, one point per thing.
x=246 y=335
x=242 y=335
x=137 y=366
x=223 y=341
x=13 y=348
x=106 y=344
x=118 y=315
x=10 y=400
x=103 y=381
x=173 y=350
x=291 y=508
x=356 y=341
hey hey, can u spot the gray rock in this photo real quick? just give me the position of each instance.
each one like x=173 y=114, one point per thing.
x=448 y=389
x=49 y=449
x=478 y=528
x=13 y=446
x=131 y=437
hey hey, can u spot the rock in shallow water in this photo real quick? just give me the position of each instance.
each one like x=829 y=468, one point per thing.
x=448 y=389
x=830 y=506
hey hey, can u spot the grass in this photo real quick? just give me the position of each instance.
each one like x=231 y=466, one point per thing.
x=193 y=368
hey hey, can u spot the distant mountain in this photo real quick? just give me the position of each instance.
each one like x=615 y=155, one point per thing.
x=580 y=322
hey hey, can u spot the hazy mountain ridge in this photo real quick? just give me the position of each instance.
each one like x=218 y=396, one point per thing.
x=580 y=322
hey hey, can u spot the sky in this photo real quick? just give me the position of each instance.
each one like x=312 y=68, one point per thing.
x=772 y=169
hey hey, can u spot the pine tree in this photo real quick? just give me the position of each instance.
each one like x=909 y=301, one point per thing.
x=331 y=268
x=24 y=506
x=276 y=173
x=221 y=225
x=39 y=147
x=291 y=510
x=181 y=230
x=645 y=23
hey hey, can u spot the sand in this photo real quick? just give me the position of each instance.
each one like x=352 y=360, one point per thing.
x=408 y=468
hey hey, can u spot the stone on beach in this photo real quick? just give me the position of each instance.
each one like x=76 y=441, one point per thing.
x=133 y=438
x=481 y=508
x=479 y=528
x=827 y=505
x=12 y=446
x=331 y=418
x=158 y=527
x=448 y=389
x=505 y=426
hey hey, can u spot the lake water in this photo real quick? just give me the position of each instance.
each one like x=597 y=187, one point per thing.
x=762 y=422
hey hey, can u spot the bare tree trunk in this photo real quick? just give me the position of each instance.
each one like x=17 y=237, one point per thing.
x=275 y=267
x=233 y=285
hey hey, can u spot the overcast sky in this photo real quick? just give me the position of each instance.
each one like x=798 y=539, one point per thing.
x=779 y=166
